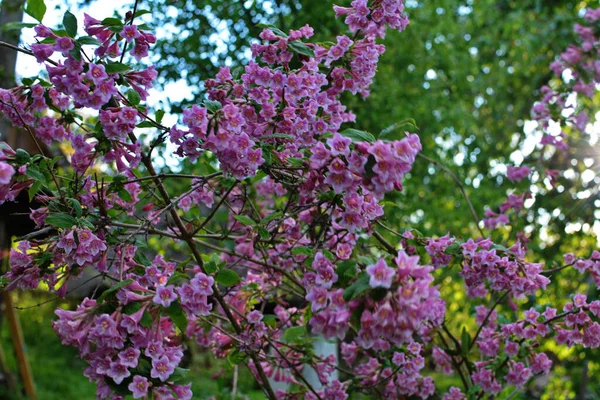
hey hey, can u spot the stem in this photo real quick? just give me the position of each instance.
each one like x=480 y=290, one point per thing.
x=487 y=317
x=456 y=366
x=24 y=51
x=135 y=5
x=188 y=238
x=390 y=249
x=172 y=176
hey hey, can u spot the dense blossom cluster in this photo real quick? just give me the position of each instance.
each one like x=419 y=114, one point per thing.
x=579 y=70
x=303 y=197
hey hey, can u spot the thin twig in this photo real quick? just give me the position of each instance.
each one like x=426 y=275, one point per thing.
x=24 y=51
x=460 y=186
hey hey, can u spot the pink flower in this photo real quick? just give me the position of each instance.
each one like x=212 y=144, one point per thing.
x=64 y=45
x=516 y=174
x=380 y=274
x=162 y=368
x=42 y=51
x=139 y=386
x=118 y=372
x=6 y=173
x=96 y=73
x=67 y=242
x=454 y=394
x=202 y=284
x=129 y=357
x=164 y=296
x=518 y=375
x=129 y=33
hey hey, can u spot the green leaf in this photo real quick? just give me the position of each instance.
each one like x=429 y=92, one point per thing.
x=141 y=258
x=33 y=189
x=211 y=267
x=279 y=136
x=271 y=320
x=120 y=388
x=88 y=40
x=34 y=173
x=22 y=157
x=271 y=217
x=16 y=26
x=116 y=67
x=139 y=13
x=76 y=52
x=112 y=22
x=159 y=116
x=273 y=29
x=236 y=357
x=465 y=342
x=70 y=24
x=263 y=233
x=134 y=97
x=387 y=132
x=301 y=48
x=295 y=334
x=125 y=195
x=131 y=308
x=177 y=278
x=358 y=136
x=146 y=320
x=61 y=220
x=212 y=106
x=76 y=206
x=227 y=277
x=179 y=374
x=36 y=8
x=359 y=286
x=177 y=315
x=245 y=220
x=295 y=162
x=303 y=250
x=146 y=124
x=329 y=255
x=108 y=293
x=346 y=270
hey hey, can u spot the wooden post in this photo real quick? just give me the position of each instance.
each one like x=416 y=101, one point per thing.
x=16 y=334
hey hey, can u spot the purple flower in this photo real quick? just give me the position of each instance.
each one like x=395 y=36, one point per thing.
x=6 y=173
x=339 y=144
x=129 y=357
x=118 y=372
x=162 y=368
x=64 y=45
x=318 y=297
x=139 y=387
x=380 y=274
x=202 y=284
x=67 y=243
x=96 y=73
x=42 y=51
x=516 y=174
x=164 y=295
x=130 y=33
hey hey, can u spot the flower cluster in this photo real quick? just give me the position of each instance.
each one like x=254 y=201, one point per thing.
x=303 y=196
x=580 y=61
